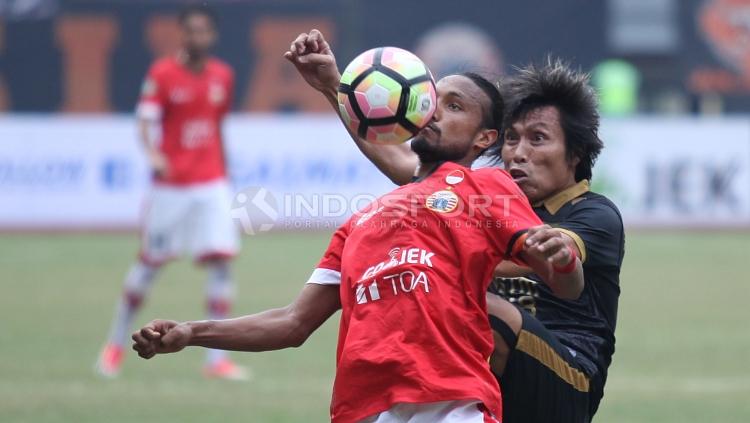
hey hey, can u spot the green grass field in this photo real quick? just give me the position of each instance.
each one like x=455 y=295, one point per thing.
x=682 y=352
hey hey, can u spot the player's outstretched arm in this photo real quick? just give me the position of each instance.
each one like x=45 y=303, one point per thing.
x=314 y=60
x=552 y=258
x=273 y=329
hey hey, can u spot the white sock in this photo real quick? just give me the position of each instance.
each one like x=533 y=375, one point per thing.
x=220 y=291
x=136 y=286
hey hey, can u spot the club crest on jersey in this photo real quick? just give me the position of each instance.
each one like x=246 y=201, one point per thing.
x=442 y=201
x=455 y=177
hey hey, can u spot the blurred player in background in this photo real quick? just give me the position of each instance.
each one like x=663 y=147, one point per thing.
x=552 y=353
x=414 y=339
x=184 y=98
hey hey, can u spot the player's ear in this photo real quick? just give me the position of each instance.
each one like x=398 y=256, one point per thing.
x=573 y=160
x=485 y=138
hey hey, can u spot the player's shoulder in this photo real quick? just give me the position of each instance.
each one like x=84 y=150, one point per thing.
x=494 y=178
x=163 y=67
x=164 y=63
x=490 y=173
x=597 y=207
x=221 y=67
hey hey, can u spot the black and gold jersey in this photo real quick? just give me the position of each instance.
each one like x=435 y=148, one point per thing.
x=587 y=325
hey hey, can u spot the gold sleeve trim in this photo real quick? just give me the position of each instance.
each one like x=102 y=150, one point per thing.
x=577 y=239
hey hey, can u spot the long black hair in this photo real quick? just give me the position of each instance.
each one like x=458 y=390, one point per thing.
x=556 y=84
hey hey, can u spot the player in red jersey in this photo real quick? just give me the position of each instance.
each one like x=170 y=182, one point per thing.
x=410 y=274
x=188 y=211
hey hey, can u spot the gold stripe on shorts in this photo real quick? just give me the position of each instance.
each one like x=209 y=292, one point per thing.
x=540 y=350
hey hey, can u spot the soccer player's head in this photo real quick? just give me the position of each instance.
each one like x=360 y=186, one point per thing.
x=550 y=138
x=198 y=24
x=466 y=122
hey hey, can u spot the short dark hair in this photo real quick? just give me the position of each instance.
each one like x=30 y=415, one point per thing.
x=492 y=118
x=556 y=84
x=197 y=9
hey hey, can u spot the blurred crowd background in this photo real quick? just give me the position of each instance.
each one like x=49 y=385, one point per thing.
x=646 y=56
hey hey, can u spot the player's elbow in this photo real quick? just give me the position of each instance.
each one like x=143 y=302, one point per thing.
x=297 y=337
x=399 y=180
x=398 y=172
x=570 y=290
x=298 y=331
x=399 y=166
x=571 y=293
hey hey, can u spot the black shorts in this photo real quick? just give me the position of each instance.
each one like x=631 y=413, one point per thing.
x=542 y=382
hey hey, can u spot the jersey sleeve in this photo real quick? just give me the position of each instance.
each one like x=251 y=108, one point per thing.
x=510 y=213
x=153 y=98
x=328 y=271
x=597 y=229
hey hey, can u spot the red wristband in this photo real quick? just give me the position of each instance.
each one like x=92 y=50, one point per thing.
x=571 y=266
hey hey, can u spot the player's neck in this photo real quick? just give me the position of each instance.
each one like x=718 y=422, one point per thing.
x=424 y=169
x=194 y=62
x=571 y=182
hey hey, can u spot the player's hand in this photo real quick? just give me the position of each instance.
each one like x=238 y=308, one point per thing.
x=161 y=337
x=314 y=60
x=158 y=163
x=547 y=244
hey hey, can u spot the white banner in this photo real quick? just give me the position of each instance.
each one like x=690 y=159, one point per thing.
x=60 y=173
x=677 y=171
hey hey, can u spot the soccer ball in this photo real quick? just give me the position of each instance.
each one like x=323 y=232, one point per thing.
x=386 y=95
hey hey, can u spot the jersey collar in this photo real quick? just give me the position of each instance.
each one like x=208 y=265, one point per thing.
x=556 y=202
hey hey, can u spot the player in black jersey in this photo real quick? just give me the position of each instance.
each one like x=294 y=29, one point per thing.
x=552 y=354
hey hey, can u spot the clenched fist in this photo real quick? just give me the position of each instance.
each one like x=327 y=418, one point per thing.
x=314 y=60
x=161 y=337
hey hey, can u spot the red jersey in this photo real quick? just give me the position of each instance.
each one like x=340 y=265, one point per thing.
x=190 y=107
x=413 y=273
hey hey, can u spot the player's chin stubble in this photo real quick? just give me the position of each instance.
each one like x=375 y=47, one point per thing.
x=428 y=153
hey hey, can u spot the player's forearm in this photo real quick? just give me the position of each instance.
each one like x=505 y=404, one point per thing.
x=270 y=330
x=397 y=162
x=508 y=269
x=145 y=132
x=567 y=286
